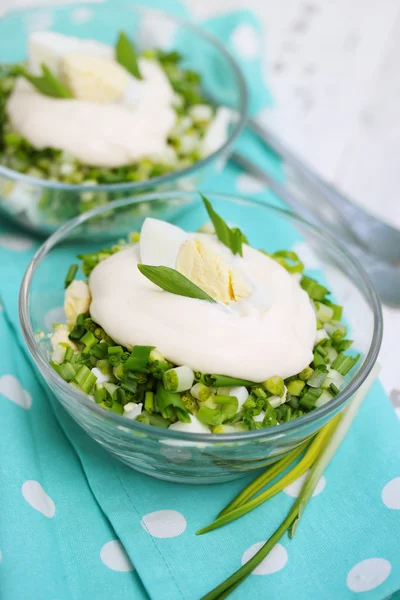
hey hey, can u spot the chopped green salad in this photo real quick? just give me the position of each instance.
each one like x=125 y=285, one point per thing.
x=142 y=384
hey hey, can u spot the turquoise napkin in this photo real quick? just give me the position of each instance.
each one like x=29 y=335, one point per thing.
x=76 y=524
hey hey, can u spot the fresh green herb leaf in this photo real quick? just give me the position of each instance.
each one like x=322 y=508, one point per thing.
x=231 y=238
x=138 y=359
x=70 y=275
x=47 y=83
x=126 y=55
x=174 y=282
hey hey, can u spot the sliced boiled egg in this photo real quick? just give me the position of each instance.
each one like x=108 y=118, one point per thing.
x=197 y=258
x=94 y=78
x=48 y=47
x=208 y=269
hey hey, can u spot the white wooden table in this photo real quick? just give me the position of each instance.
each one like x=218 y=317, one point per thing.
x=332 y=67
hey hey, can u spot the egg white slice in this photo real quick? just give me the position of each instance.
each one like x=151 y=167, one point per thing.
x=160 y=243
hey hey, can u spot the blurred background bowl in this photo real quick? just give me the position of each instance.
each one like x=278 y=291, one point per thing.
x=43 y=205
x=184 y=457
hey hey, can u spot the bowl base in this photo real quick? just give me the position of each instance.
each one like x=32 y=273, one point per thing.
x=195 y=480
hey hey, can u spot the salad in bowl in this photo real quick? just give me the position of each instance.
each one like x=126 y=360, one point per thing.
x=198 y=350
x=94 y=114
x=198 y=332
x=82 y=111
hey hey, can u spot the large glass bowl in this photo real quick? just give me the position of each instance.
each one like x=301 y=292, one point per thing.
x=43 y=205
x=197 y=458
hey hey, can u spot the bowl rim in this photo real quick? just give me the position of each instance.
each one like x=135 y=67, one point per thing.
x=173 y=175
x=155 y=432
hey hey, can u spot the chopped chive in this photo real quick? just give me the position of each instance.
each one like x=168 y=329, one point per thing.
x=315 y=290
x=158 y=421
x=117 y=408
x=89 y=339
x=129 y=385
x=149 y=402
x=337 y=310
x=104 y=366
x=77 y=332
x=306 y=373
x=166 y=398
x=310 y=397
x=333 y=389
x=119 y=372
x=210 y=416
x=201 y=392
x=289 y=260
x=296 y=387
x=114 y=350
x=120 y=396
x=274 y=385
x=288 y=415
x=66 y=370
x=110 y=387
x=343 y=364
x=179 y=379
x=85 y=379
x=318 y=377
x=182 y=415
x=321 y=351
x=229 y=406
x=100 y=395
x=324 y=312
x=343 y=345
x=68 y=353
x=138 y=359
x=318 y=359
x=168 y=412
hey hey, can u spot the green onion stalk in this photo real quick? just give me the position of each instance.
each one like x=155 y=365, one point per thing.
x=335 y=432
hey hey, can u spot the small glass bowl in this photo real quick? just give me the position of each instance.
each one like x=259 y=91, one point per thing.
x=197 y=458
x=42 y=205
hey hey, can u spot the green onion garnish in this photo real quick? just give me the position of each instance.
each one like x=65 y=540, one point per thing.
x=70 y=275
x=126 y=55
x=330 y=438
x=47 y=83
x=231 y=238
x=174 y=282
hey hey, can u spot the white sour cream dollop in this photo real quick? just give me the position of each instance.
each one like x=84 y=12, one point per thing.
x=106 y=134
x=269 y=332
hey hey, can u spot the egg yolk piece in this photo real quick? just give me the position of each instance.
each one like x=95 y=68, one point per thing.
x=198 y=261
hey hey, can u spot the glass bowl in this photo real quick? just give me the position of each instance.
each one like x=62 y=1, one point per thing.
x=42 y=205
x=199 y=458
